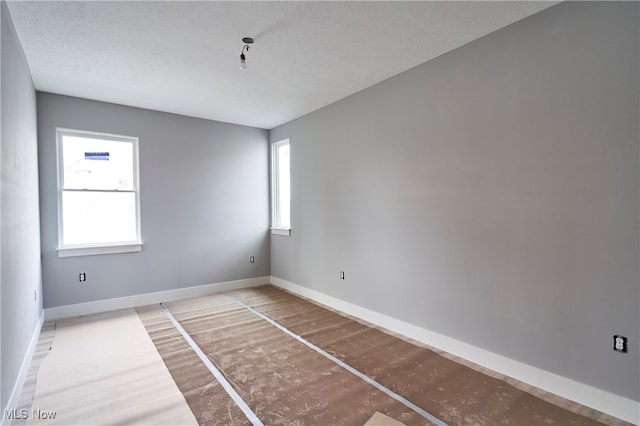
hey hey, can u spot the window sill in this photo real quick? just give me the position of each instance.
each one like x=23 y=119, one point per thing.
x=281 y=231
x=95 y=250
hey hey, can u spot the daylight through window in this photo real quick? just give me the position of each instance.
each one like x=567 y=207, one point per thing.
x=281 y=186
x=98 y=193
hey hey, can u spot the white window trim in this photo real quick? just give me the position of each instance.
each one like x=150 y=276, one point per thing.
x=275 y=214
x=86 y=250
x=69 y=250
x=281 y=231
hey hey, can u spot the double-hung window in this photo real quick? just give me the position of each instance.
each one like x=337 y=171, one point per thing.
x=98 y=193
x=280 y=188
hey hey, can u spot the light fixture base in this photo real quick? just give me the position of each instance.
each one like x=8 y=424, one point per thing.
x=247 y=40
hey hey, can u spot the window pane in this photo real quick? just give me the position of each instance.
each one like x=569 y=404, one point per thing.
x=90 y=163
x=98 y=217
x=284 y=187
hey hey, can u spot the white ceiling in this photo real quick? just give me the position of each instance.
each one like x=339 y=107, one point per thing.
x=183 y=57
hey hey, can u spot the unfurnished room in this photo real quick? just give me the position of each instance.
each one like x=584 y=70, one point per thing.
x=320 y=213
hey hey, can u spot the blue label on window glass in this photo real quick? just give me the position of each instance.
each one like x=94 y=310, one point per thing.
x=100 y=156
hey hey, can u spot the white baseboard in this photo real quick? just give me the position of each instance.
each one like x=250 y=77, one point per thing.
x=89 y=308
x=14 y=398
x=606 y=402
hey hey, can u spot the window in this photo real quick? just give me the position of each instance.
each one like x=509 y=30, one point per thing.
x=280 y=188
x=98 y=194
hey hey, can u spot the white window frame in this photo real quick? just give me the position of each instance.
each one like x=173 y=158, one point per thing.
x=69 y=250
x=276 y=227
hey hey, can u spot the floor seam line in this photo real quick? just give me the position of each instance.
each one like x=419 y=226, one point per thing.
x=342 y=364
x=253 y=418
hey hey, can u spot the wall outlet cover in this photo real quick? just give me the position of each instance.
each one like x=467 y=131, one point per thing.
x=620 y=344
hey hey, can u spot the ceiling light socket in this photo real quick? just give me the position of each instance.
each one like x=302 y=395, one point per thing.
x=243 y=59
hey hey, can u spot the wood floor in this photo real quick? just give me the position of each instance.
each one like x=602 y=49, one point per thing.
x=291 y=362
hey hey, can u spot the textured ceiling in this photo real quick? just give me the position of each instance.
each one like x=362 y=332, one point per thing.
x=183 y=57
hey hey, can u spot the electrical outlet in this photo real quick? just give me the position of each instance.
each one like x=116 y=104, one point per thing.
x=82 y=277
x=252 y=259
x=620 y=344
x=35 y=295
x=342 y=275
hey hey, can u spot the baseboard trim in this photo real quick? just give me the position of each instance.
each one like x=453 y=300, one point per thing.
x=606 y=402
x=99 y=306
x=12 y=403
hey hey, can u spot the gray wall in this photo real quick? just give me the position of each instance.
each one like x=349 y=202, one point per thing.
x=20 y=252
x=204 y=203
x=490 y=195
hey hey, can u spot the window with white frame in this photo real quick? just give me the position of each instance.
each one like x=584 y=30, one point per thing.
x=280 y=188
x=98 y=193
